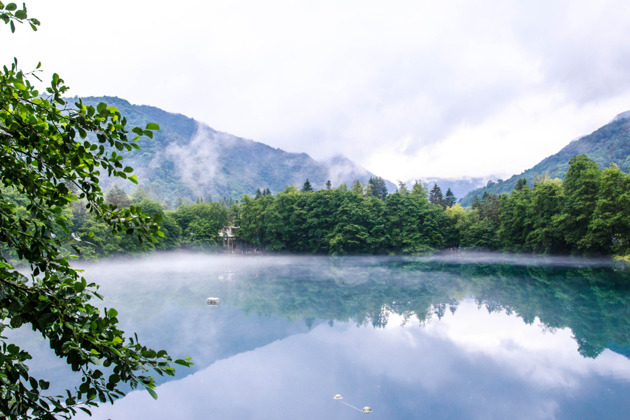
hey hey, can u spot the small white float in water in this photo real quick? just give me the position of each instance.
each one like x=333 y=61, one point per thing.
x=366 y=409
x=213 y=301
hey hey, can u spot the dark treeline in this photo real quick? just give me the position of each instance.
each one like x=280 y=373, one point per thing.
x=588 y=213
x=359 y=220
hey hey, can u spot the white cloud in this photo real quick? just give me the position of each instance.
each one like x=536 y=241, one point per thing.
x=407 y=89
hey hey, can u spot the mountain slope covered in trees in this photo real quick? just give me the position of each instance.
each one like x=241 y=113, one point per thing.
x=609 y=144
x=189 y=160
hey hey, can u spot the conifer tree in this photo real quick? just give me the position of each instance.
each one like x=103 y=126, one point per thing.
x=449 y=199
x=307 y=186
x=435 y=196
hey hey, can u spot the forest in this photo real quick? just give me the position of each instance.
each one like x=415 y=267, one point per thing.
x=587 y=214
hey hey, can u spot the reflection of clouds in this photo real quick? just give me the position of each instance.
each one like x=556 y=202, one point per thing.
x=447 y=369
x=470 y=365
x=530 y=351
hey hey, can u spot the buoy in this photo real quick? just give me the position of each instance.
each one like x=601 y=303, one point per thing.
x=366 y=409
x=213 y=301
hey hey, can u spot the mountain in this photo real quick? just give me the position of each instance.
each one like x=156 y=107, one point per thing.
x=459 y=186
x=189 y=160
x=609 y=144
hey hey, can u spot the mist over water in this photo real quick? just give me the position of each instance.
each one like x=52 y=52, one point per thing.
x=452 y=336
x=480 y=257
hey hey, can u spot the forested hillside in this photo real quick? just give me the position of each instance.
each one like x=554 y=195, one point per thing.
x=588 y=213
x=187 y=160
x=609 y=144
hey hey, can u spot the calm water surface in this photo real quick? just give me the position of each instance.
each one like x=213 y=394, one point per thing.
x=462 y=336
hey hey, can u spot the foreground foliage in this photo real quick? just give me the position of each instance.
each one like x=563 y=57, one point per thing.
x=47 y=164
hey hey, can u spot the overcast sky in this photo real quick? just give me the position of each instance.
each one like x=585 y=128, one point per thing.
x=407 y=89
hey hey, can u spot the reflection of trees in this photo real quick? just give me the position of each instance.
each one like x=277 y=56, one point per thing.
x=364 y=293
x=594 y=302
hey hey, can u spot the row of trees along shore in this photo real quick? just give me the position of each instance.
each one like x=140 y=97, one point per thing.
x=588 y=213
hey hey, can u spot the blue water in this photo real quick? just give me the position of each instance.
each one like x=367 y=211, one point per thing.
x=461 y=336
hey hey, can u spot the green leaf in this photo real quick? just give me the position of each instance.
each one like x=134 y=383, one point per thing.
x=11 y=7
x=152 y=392
x=20 y=14
x=101 y=108
x=152 y=126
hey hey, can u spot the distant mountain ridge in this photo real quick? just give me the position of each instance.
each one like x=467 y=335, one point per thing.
x=458 y=186
x=608 y=144
x=188 y=160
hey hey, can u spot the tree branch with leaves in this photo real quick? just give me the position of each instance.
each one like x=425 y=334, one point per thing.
x=51 y=155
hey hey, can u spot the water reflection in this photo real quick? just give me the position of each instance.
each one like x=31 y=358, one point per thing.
x=401 y=372
x=409 y=337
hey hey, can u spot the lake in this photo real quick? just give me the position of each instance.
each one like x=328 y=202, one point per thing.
x=453 y=336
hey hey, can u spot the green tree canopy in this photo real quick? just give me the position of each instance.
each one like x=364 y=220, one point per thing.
x=449 y=198
x=581 y=186
x=376 y=187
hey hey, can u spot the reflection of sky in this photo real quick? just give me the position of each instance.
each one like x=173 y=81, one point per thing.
x=471 y=365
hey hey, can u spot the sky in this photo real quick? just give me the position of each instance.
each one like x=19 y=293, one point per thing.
x=407 y=89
